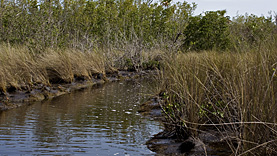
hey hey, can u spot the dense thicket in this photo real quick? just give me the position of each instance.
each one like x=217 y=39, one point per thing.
x=215 y=30
x=249 y=32
x=88 y=23
x=207 y=32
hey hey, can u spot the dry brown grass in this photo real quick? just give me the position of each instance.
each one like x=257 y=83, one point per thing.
x=19 y=67
x=69 y=64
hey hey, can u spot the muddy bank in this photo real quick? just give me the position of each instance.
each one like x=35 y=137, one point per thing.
x=172 y=142
x=14 y=98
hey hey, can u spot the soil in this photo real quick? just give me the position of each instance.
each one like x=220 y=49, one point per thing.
x=207 y=142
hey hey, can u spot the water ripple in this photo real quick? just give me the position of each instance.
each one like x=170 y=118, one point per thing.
x=102 y=121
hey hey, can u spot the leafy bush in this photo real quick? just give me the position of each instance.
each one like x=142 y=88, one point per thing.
x=207 y=32
x=251 y=31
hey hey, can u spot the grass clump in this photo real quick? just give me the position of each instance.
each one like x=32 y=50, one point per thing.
x=21 y=69
x=18 y=68
x=227 y=92
x=64 y=66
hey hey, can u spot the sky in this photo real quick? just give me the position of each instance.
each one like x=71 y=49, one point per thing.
x=236 y=7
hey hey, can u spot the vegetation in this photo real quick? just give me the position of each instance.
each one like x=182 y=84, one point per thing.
x=88 y=24
x=230 y=90
x=233 y=92
x=207 y=32
x=21 y=69
x=217 y=72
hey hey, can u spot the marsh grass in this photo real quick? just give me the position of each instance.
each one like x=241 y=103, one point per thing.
x=20 y=68
x=227 y=92
x=69 y=64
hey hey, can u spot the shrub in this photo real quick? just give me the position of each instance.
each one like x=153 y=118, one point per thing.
x=207 y=32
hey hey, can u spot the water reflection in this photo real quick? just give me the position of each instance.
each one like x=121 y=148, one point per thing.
x=99 y=121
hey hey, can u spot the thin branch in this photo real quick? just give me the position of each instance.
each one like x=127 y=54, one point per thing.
x=231 y=123
x=263 y=144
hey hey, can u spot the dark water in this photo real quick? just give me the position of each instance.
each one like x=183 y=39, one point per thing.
x=99 y=121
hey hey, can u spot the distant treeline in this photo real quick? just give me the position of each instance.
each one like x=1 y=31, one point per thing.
x=86 y=24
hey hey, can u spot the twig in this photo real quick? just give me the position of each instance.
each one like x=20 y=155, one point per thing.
x=263 y=144
x=231 y=123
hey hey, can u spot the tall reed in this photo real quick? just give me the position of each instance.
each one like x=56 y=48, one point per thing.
x=228 y=92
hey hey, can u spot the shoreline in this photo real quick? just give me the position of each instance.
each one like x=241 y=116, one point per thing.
x=171 y=142
x=15 y=98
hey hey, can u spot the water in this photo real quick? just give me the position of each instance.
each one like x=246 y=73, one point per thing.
x=98 y=121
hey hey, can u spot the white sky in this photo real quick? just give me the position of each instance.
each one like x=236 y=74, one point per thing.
x=236 y=7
